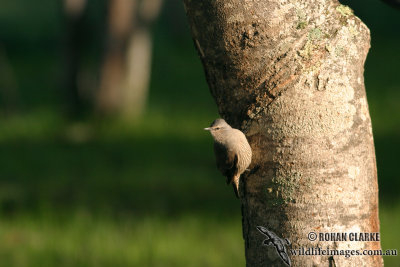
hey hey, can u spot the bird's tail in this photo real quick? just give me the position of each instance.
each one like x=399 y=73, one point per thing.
x=235 y=184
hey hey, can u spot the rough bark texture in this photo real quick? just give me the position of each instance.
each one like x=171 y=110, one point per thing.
x=290 y=75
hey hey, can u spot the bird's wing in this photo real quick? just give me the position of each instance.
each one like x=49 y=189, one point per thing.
x=232 y=172
x=226 y=161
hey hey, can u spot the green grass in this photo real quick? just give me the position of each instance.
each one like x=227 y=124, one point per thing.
x=117 y=194
x=110 y=194
x=81 y=239
x=390 y=233
x=85 y=240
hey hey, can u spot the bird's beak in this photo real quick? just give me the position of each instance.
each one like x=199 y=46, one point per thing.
x=207 y=129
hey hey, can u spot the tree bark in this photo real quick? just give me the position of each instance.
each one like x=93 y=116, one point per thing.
x=290 y=75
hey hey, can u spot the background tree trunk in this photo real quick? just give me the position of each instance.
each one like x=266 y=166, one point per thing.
x=126 y=69
x=8 y=85
x=290 y=75
x=74 y=21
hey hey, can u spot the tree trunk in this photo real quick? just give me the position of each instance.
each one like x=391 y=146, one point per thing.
x=127 y=63
x=290 y=75
x=8 y=85
x=74 y=21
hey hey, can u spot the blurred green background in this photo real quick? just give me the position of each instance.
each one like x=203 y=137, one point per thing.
x=82 y=187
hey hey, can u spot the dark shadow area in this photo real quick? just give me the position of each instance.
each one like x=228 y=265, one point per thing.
x=388 y=174
x=163 y=176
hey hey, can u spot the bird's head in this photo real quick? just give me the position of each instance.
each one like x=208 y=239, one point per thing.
x=217 y=128
x=218 y=125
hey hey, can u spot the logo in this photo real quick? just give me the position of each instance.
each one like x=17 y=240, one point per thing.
x=277 y=242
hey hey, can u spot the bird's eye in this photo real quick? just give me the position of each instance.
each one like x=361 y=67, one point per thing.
x=217 y=128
